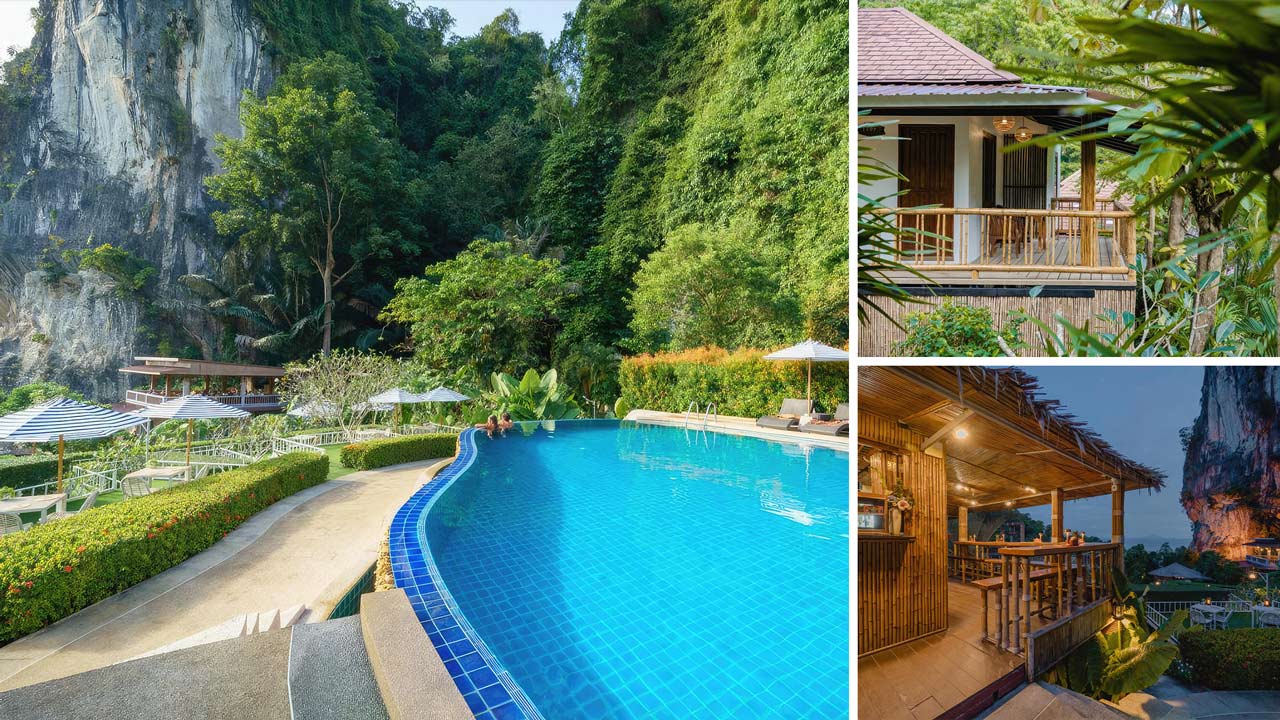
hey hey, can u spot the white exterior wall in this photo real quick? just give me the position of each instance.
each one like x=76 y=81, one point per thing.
x=969 y=130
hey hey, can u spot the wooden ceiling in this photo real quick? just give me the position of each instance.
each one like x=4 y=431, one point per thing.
x=1016 y=446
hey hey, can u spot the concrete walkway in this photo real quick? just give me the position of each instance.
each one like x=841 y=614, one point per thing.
x=306 y=549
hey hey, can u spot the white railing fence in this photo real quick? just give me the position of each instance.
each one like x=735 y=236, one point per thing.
x=85 y=476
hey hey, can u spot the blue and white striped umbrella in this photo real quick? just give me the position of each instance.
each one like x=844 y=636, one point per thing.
x=65 y=419
x=192 y=407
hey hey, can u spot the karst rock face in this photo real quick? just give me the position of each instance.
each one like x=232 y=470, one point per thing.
x=114 y=148
x=1231 y=477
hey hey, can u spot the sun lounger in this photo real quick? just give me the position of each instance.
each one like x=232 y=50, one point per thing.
x=788 y=416
x=837 y=426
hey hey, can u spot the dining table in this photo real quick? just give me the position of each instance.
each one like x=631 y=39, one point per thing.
x=1217 y=612
x=1271 y=613
x=34 y=503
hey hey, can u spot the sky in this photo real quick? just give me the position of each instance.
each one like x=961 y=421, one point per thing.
x=1139 y=410
x=545 y=17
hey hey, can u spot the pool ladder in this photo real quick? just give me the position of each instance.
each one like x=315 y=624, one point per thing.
x=712 y=412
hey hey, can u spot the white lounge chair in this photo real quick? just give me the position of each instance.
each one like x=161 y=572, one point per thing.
x=87 y=504
x=1269 y=619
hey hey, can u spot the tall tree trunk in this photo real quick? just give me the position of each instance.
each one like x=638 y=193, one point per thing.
x=1177 y=230
x=1208 y=212
x=329 y=264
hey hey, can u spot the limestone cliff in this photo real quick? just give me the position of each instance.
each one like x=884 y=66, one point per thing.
x=113 y=149
x=1231 y=477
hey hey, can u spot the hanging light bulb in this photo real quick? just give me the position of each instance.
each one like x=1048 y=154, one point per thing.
x=1003 y=123
x=1022 y=134
x=961 y=433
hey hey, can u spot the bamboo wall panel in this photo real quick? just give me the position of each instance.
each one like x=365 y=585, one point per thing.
x=902 y=587
x=877 y=337
x=1050 y=645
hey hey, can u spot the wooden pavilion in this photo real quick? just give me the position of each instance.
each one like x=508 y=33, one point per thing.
x=248 y=387
x=947 y=623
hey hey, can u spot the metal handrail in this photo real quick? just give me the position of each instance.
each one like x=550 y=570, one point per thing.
x=691 y=407
x=712 y=411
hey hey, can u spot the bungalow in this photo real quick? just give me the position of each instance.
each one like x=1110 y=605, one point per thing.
x=949 y=621
x=988 y=224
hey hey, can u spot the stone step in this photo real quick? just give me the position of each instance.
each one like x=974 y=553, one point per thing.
x=1045 y=701
x=238 y=626
x=1148 y=707
x=330 y=677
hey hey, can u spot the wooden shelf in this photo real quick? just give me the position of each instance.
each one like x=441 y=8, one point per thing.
x=876 y=536
x=871 y=496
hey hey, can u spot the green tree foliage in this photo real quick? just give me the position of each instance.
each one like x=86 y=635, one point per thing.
x=732 y=118
x=1218 y=568
x=24 y=396
x=316 y=177
x=1137 y=563
x=491 y=308
x=952 y=329
x=711 y=286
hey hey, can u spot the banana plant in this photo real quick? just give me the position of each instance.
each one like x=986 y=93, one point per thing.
x=533 y=397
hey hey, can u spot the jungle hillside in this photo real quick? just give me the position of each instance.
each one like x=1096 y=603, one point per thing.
x=663 y=176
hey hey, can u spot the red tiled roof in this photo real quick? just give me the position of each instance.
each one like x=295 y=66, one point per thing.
x=1104 y=189
x=896 y=46
x=1008 y=88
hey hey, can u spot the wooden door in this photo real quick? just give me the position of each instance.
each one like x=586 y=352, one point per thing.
x=926 y=158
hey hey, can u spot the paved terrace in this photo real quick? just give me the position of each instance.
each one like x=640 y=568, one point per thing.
x=737 y=426
x=306 y=549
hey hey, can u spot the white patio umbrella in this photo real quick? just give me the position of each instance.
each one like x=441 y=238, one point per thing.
x=443 y=394
x=315 y=409
x=192 y=408
x=396 y=397
x=63 y=420
x=811 y=351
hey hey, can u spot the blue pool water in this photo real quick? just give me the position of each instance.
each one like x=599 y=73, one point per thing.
x=625 y=571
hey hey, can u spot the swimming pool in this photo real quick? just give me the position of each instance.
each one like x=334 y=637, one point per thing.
x=617 y=570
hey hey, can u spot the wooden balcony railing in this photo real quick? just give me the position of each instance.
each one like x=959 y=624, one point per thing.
x=995 y=239
x=1068 y=583
x=253 y=400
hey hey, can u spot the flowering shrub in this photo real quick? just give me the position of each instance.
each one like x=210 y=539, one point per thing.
x=741 y=383
x=1241 y=659
x=397 y=450
x=55 y=569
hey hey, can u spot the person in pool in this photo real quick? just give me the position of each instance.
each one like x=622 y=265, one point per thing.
x=505 y=423
x=489 y=425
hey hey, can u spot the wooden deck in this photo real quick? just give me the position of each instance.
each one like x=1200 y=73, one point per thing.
x=924 y=679
x=1065 y=252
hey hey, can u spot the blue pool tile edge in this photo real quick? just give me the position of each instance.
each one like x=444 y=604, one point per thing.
x=487 y=687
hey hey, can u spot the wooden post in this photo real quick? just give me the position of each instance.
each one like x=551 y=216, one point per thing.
x=962 y=524
x=1000 y=602
x=1117 y=517
x=1026 y=606
x=1088 y=191
x=61 y=448
x=1055 y=515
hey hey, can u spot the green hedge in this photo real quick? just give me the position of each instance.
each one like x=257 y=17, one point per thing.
x=740 y=383
x=19 y=471
x=1244 y=659
x=397 y=450
x=55 y=569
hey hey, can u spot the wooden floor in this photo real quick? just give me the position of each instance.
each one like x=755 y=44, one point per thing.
x=923 y=679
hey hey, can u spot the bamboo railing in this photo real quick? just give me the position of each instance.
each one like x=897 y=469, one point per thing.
x=981 y=240
x=1062 y=580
